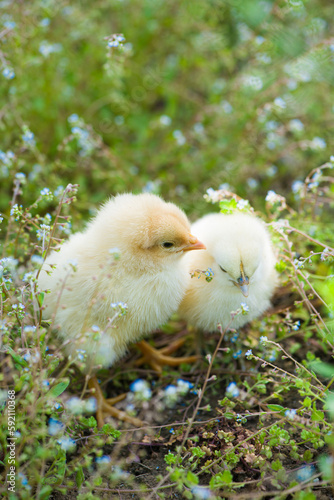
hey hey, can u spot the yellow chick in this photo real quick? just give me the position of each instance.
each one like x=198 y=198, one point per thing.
x=241 y=256
x=120 y=278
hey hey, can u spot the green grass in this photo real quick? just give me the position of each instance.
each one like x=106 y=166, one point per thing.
x=237 y=95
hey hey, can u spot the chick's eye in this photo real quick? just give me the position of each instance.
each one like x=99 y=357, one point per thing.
x=223 y=269
x=167 y=244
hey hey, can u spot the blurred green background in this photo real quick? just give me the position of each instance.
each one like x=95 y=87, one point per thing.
x=199 y=94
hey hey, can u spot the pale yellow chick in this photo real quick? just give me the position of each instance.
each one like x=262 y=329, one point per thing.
x=87 y=282
x=241 y=256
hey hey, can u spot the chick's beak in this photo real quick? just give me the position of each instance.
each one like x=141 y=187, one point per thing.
x=243 y=282
x=194 y=244
x=244 y=288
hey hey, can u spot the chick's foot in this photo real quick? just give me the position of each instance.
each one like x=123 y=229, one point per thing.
x=158 y=358
x=105 y=406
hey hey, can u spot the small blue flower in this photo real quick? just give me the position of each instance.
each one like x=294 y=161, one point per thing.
x=91 y=405
x=232 y=390
x=165 y=120
x=105 y=459
x=8 y=73
x=10 y=25
x=27 y=356
x=317 y=144
x=179 y=137
x=237 y=354
x=252 y=183
x=209 y=274
x=249 y=352
x=113 y=43
x=141 y=389
x=227 y=107
x=290 y=414
x=242 y=204
x=201 y=492
x=171 y=395
x=297 y=186
x=24 y=480
x=296 y=125
x=272 y=356
x=199 y=128
x=74 y=118
x=29 y=329
x=37 y=260
x=272 y=197
x=46 y=48
x=244 y=308
x=45 y=191
x=263 y=339
x=183 y=386
x=280 y=103
x=66 y=443
x=234 y=337
x=80 y=354
x=296 y=326
x=305 y=473
x=121 y=308
x=45 y=22
x=240 y=419
x=28 y=277
x=55 y=426
x=75 y=405
x=29 y=138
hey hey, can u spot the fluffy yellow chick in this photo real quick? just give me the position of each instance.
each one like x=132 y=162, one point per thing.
x=241 y=256
x=87 y=282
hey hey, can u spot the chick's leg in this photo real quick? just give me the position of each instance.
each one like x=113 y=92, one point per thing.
x=158 y=358
x=105 y=406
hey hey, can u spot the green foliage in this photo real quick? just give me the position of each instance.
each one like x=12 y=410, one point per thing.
x=221 y=480
x=229 y=103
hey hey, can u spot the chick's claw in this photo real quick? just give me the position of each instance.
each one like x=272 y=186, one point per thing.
x=105 y=408
x=158 y=358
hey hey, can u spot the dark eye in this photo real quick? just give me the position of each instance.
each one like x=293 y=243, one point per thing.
x=168 y=244
x=223 y=269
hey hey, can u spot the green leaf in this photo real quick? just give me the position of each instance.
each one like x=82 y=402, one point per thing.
x=327 y=290
x=88 y=422
x=170 y=458
x=227 y=206
x=329 y=405
x=220 y=480
x=326 y=466
x=307 y=402
x=276 y=465
x=111 y=431
x=317 y=416
x=276 y=408
x=41 y=296
x=45 y=492
x=18 y=359
x=56 y=473
x=79 y=478
x=281 y=266
x=228 y=415
x=192 y=478
x=58 y=389
x=325 y=370
x=197 y=452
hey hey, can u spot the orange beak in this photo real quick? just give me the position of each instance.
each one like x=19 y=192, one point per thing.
x=194 y=244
